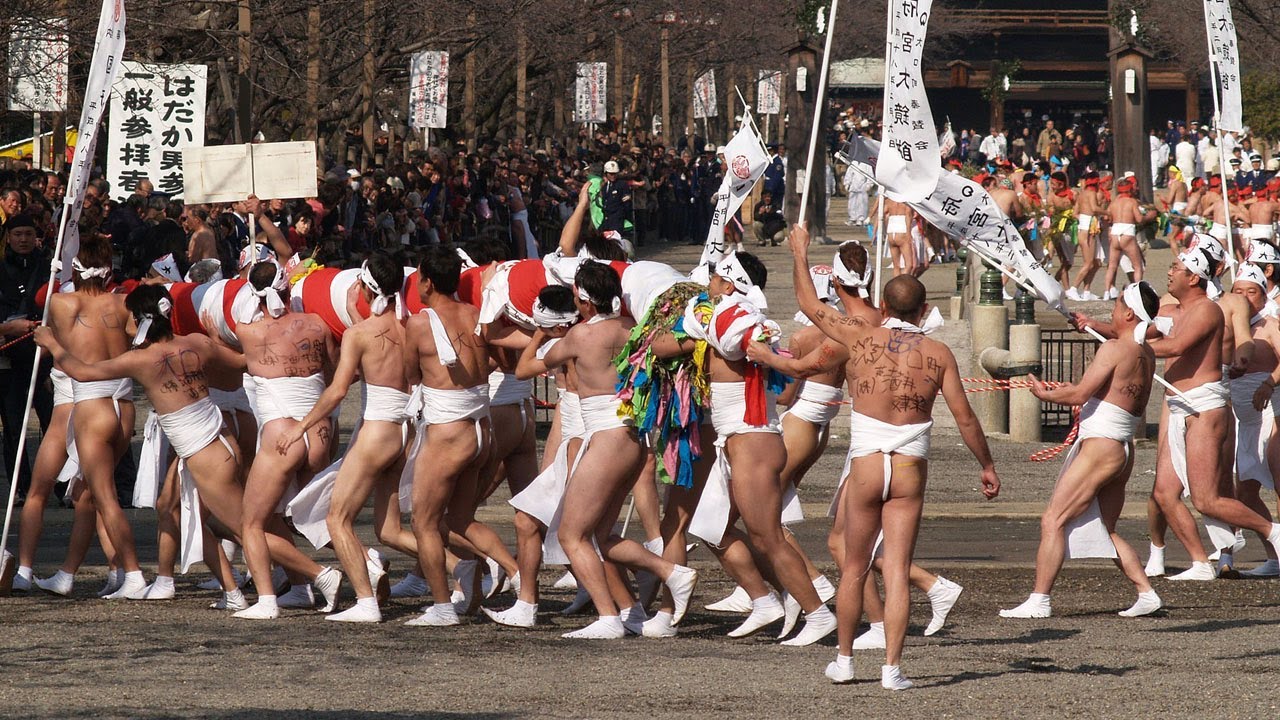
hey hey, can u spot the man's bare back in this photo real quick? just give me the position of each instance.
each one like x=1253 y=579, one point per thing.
x=293 y=345
x=380 y=343
x=91 y=325
x=459 y=320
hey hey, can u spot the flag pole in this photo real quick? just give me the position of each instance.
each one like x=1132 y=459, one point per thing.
x=879 y=246
x=818 y=103
x=1216 y=88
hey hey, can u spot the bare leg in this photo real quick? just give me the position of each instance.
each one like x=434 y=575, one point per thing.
x=449 y=449
x=168 y=511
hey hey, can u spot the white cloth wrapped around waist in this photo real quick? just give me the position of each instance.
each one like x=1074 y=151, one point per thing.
x=190 y=430
x=121 y=389
x=1084 y=223
x=868 y=436
x=729 y=405
x=1122 y=229
x=153 y=462
x=1087 y=536
x=62 y=393
x=309 y=509
x=283 y=397
x=1218 y=231
x=231 y=400
x=1179 y=208
x=1203 y=398
x=600 y=412
x=1262 y=231
x=507 y=389
x=386 y=404
x=1253 y=430
x=896 y=225
x=571 y=425
x=440 y=406
x=711 y=517
x=817 y=403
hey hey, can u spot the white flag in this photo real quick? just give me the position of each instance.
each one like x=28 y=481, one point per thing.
x=910 y=169
x=593 y=80
x=769 y=92
x=964 y=210
x=38 y=66
x=704 y=95
x=108 y=51
x=745 y=160
x=429 y=89
x=946 y=141
x=1225 y=61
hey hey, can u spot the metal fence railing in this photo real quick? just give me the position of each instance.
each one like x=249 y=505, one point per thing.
x=1064 y=355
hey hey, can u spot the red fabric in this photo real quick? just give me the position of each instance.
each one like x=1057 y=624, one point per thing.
x=470 y=286
x=316 y=298
x=185 y=317
x=412 y=297
x=527 y=279
x=229 y=298
x=753 y=377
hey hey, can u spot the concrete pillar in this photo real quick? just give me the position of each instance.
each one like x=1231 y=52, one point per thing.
x=1024 y=408
x=989 y=328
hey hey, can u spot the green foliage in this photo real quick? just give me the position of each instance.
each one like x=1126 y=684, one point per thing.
x=807 y=15
x=1260 y=93
x=1000 y=69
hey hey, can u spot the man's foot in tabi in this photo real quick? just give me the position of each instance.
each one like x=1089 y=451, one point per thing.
x=364 y=611
x=1036 y=607
x=1148 y=602
x=872 y=639
x=520 y=615
x=737 y=601
x=606 y=628
x=891 y=678
x=817 y=625
x=942 y=597
x=840 y=670
x=765 y=610
x=1197 y=571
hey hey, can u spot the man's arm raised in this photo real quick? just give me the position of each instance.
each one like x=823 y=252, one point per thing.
x=573 y=226
x=835 y=325
x=970 y=428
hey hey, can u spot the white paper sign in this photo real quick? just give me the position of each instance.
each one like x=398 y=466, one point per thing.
x=227 y=173
x=38 y=66
x=1226 y=63
x=156 y=111
x=704 y=95
x=909 y=169
x=769 y=92
x=429 y=89
x=593 y=79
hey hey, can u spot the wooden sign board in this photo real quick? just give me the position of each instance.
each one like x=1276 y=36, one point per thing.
x=227 y=173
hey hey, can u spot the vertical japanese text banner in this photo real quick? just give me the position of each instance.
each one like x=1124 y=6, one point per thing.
x=769 y=92
x=38 y=66
x=909 y=169
x=589 y=105
x=1226 y=63
x=156 y=110
x=429 y=89
x=704 y=95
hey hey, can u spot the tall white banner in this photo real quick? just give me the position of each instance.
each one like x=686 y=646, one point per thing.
x=593 y=80
x=910 y=168
x=704 y=95
x=429 y=89
x=108 y=51
x=38 y=66
x=769 y=92
x=156 y=111
x=1225 y=59
x=745 y=161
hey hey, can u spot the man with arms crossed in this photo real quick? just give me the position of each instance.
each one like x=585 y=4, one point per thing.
x=894 y=374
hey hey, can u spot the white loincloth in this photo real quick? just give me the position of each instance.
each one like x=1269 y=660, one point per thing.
x=1087 y=536
x=1253 y=430
x=544 y=497
x=440 y=406
x=1261 y=231
x=61 y=388
x=1123 y=230
x=507 y=389
x=232 y=402
x=1084 y=224
x=1179 y=208
x=153 y=463
x=1218 y=231
x=309 y=509
x=598 y=413
x=817 y=403
x=119 y=391
x=282 y=398
x=1209 y=396
x=190 y=430
x=728 y=405
x=868 y=436
x=419 y=423
x=896 y=225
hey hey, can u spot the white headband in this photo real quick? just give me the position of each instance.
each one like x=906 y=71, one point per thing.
x=380 y=299
x=545 y=317
x=1132 y=296
x=144 y=320
x=265 y=253
x=87 y=272
x=467 y=262
x=1197 y=261
x=1248 y=272
x=616 y=305
x=167 y=268
x=849 y=278
x=730 y=268
x=245 y=309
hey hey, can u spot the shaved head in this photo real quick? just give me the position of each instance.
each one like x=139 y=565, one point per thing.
x=904 y=297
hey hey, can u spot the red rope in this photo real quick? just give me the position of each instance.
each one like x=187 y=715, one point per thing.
x=11 y=343
x=1053 y=452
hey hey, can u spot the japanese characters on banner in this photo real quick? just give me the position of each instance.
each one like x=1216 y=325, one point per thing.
x=769 y=92
x=745 y=160
x=156 y=111
x=108 y=49
x=704 y=95
x=589 y=107
x=429 y=89
x=38 y=66
x=964 y=210
x=909 y=168
x=1225 y=57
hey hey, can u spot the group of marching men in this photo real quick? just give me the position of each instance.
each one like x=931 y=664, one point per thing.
x=660 y=374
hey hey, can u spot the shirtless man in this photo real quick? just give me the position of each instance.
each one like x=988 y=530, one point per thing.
x=375 y=458
x=1061 y=199
x=1088 y=210
x=1198 y=416
x=443 y=353
x=1090 y=489
x=1174 y=195
x=201 y=243
x=611 y=457
x=288 y=356
x=1262 y=214
x=898 y=219
x=172 y=371
x=882 y=494
x=1125 y=215
x=90 y=323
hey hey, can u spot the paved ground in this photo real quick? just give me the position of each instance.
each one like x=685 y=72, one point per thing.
x=1212 y=653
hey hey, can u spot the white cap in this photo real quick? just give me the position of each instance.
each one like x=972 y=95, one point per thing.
x=611 y=167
